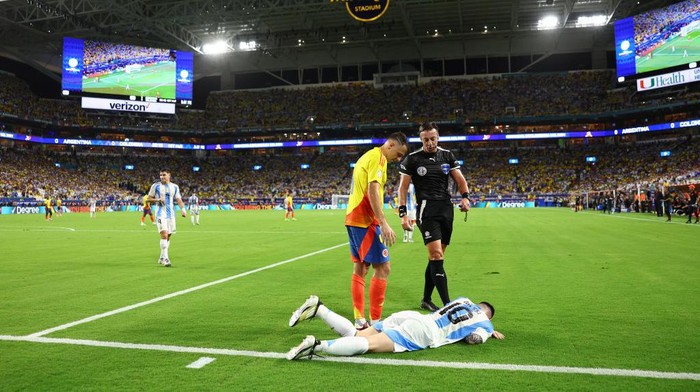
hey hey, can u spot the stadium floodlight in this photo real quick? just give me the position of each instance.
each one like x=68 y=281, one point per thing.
x=513 y=161
x=665 y=153
x=591 y=159
x=593 y=20
x=548 y=22
x=216 y=47
x=305 y=166
x=247 y=45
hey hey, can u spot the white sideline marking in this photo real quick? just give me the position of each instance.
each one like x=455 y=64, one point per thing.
x=177 y=293
x=660 y=220
x=368 y=361
x=200 y=363
x=37 y=228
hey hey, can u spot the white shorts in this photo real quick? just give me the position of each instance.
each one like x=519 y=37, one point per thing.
x=164 y=224
x=92 y=209
x=194 y=211
x=409 y=330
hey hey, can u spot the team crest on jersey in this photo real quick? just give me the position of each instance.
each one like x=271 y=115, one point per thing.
x=421 y=171
x=385 y=252
x=445 y=168
x=379 y=173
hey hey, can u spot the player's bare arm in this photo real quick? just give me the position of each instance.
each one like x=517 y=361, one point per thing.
x=377 y=204
x=458 y=177
x=403 y=192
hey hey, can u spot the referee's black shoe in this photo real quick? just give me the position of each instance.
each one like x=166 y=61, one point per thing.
x=428 y=305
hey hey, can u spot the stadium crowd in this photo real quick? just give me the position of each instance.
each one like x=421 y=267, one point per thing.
x=655 y=27
x=230 y=178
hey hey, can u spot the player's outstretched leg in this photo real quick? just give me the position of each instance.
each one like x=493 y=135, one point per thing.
x=306 y=311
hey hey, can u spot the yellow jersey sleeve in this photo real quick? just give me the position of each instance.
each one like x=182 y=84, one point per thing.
x=371 y=167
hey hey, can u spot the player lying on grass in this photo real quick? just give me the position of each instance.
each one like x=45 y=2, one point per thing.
x=459 y=320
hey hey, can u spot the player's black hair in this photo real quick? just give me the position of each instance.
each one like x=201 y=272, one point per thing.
x=165 y=169
x=400 y=137
x=427 y=126
x=493 y=310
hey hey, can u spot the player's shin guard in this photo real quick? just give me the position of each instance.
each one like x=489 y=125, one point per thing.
x=164 y=244
x=377 y=291
x=437 y=270
x=357 y=288
x=347 y=346
x=336 y=322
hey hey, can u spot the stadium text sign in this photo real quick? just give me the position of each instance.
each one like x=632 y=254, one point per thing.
x=127 y=106
x=669 y=79
x=366 y=10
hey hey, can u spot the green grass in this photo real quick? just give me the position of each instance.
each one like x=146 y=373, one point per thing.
x=146 y=82
x=570 y=289
x=665 y=56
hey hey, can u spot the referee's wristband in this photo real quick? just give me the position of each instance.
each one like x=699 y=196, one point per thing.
x=402 y=211
x=465 y=195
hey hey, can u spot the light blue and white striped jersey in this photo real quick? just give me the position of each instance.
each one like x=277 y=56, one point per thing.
x=170 y=192
x=411 y=197
x=460 y=318
x=193 y=200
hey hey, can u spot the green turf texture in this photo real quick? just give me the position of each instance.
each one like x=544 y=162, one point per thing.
x=570 y=289
x=665 y=57
x=146 y=82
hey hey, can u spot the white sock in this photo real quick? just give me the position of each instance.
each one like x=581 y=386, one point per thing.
x=410 y=233
x=336 y=322
x=192 y=217
x=197 y=219
x=346 y=346
x=164 y=244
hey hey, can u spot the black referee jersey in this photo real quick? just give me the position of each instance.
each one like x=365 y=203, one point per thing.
x=430 y=172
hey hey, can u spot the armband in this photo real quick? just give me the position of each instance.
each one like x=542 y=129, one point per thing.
x=465 y=195
x=402 y=211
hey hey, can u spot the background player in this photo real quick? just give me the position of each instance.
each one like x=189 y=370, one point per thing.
x=368 y=230
x=411 y=212
x=289 y=206
x=93 y=206
x=147 y=210
x=164 y=193
x=48 y=215
x=459 y=320
x=193 y=203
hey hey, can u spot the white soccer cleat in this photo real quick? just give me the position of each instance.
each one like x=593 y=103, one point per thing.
x=143 y=224
x=304 y=350
x=166 y=263
x=160 y=261
x=361 y=324
x=306 y=311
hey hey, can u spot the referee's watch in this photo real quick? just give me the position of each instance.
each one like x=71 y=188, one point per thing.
x=402 y=211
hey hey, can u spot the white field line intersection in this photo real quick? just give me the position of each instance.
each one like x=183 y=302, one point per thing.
x=367 y=360
x=177 y=293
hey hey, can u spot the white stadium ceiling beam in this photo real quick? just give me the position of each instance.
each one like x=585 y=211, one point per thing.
x=408 y=25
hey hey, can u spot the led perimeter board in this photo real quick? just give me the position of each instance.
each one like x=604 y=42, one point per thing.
x=663 y=38
x=108 y=70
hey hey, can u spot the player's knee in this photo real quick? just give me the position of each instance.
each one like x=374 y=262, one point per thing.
x=436 y=255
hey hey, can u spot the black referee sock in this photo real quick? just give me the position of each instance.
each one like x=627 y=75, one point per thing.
x=437 y=271
x=429 y=285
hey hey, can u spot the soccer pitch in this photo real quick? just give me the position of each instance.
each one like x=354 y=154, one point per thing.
x=672 y=53
x=587 y=302
x=157 y=78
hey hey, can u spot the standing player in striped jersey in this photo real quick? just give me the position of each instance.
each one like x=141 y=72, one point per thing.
x=193 y=203
x=459 y=320
x=411 y=212
x=163 y=194
x=368 y=230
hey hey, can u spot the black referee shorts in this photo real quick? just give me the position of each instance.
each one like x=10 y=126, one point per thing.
x=434 y=219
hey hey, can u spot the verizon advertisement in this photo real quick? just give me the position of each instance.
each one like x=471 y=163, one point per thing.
x=669 y=79
x=127 y=106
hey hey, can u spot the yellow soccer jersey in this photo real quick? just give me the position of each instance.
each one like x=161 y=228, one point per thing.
x=369 y=168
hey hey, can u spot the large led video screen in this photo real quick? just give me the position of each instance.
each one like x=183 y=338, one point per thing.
x=109 y=70
x=659 y=39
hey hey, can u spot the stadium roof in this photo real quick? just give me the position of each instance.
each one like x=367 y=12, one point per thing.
x=309 y=33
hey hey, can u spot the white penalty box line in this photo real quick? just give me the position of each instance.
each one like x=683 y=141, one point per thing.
x=366 y=360
x=177 y=293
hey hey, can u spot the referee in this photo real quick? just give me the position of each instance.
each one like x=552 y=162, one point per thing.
x=430 y=169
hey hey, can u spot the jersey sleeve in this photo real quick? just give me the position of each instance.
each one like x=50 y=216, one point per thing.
x=405 y=167
x=177 y=194
x=376 y=169
x=453 y=161
x=152 y=192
